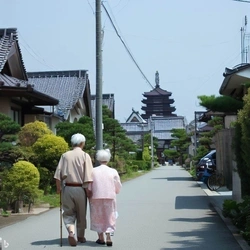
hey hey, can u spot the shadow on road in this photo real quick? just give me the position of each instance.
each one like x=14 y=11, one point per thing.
x=64 y=243
x=191 y=202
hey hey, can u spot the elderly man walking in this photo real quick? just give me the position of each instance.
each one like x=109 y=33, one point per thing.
x=73 y=174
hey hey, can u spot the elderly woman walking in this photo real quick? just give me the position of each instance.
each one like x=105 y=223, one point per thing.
x=106 y=184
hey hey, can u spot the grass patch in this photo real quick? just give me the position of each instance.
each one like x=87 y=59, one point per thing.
x=132 y=175
x=52 y=199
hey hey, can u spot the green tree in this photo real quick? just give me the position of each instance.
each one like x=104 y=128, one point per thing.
x=20 y=181
x=32 y=131
x=171 y=153
x=242 y=145
x=220 y=103
x=181 y=142
x=48 y=150
x=8 y=131
x=83 y=126
x=115 y=136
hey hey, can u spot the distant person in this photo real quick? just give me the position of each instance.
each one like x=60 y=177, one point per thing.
x=73 y=174
x=106 y=184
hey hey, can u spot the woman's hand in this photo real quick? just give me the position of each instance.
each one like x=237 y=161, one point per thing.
x=88 y=193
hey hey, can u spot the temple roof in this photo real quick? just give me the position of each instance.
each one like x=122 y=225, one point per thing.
x=157 y=92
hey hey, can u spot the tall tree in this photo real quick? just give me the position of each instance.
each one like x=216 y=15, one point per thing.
x=83 y=126
x=181 y=142
x=8 y=135
x=115 y=136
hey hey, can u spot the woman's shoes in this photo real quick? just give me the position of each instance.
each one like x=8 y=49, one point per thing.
x=109 y=243
x=100 y=242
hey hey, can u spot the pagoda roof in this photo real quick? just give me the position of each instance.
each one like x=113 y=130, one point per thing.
x=157 y=91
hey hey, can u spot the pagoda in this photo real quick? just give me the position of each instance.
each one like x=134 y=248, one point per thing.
x=158 y=101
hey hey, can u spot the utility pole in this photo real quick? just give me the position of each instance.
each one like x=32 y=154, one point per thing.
x=152 y=142
x=98 y=117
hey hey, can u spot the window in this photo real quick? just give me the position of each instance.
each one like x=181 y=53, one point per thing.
x=16 y=115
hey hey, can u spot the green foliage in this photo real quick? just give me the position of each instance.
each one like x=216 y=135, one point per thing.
x=242 y=145
x=171 y=153
x=7 y=126
x=32 y=131
x=141 y=165
x=83 y=126
x=180 y=143
x=21 y=180
x=146 y=155
x=48 y=150
x=240 y=215
x=115 y=136
x=201 y=151
x=220 y=103
x=205 y=138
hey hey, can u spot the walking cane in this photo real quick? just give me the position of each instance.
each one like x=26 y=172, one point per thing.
x=61 y=218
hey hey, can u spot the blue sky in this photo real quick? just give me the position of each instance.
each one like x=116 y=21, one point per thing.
x=189 y=42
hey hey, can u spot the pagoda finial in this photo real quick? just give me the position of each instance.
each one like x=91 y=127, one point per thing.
x=157 y=79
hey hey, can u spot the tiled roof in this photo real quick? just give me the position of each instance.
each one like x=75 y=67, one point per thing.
x=168 y=123
x=135 y=116
x=12 y=81
x=135 y=127
x=9 y=83
x=161 y=127
x=157 y=91
x=66 y=86
x=7 y=39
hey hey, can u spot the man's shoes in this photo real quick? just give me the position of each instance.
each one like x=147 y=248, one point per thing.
x=81 y=240
x=72 y=239
x=100 y=242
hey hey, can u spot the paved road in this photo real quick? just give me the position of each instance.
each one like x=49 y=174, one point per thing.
x=164 y=209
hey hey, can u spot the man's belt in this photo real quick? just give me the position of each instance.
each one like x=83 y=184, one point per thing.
x=73 y=184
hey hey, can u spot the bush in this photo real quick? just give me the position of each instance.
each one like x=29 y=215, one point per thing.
x=240 y=215
x=48 y=150
x=32 y=131
x=22 y=180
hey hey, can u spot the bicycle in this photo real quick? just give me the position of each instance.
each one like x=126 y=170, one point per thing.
x=215 y=181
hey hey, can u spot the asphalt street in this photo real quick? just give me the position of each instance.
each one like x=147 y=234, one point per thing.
x=163 y=209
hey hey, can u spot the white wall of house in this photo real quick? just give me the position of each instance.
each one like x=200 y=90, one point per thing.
x=77 y=112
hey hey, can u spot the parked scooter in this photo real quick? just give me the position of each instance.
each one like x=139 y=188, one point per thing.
x=209 y=170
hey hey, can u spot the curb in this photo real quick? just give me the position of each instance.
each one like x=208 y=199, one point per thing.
x=243 y=244
x=233 y=229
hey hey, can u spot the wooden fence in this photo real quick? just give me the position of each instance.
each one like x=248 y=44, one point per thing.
x=224 y=154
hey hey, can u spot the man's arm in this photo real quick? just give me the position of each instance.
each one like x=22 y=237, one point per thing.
x=58 y=186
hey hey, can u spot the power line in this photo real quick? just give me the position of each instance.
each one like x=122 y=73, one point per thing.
x=126 y=47
x=35 y=55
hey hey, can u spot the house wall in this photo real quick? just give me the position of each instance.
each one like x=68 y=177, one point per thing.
x=5 y=104
x=76 y=113
x=51 y=121
x=229 y=119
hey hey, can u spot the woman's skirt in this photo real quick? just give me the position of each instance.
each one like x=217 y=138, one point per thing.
x=103 y=215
